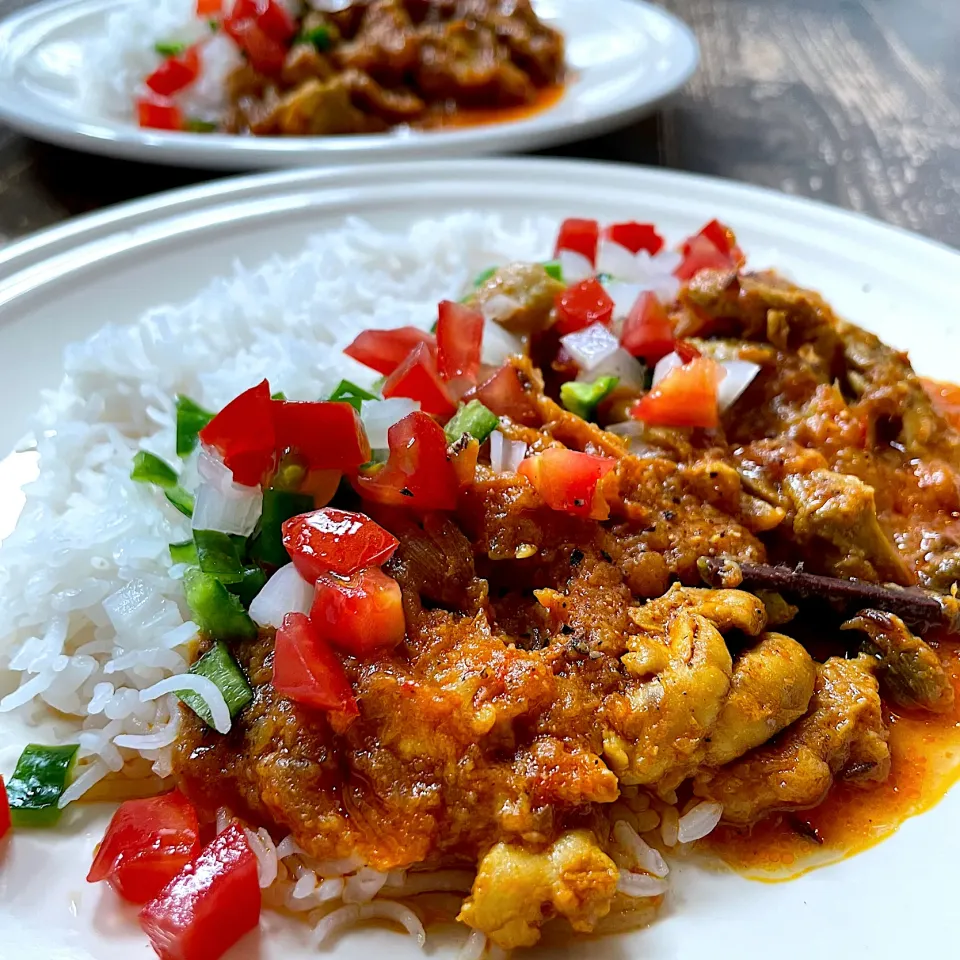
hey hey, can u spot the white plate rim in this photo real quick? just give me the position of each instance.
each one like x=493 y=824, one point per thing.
x=223 y=151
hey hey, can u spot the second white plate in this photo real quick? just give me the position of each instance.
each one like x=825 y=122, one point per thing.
x=625 y=56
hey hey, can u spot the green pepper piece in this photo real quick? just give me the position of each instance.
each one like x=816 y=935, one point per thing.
x=38 y=782
x=217 y=611
x=218 y=665
x=149 y=468
x=253 y=581
x=191 y=419
x=184 y=552
x=554 y=269
x=279 y=395
x=582 y=398
x=169 y=48
x=199 y=125
x=475 y=419
x=218 y=555
x=318 y=36
x=352 y=394
x=278 y=506
x=181 y=499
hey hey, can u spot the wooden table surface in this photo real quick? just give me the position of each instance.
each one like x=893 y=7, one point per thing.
x=853 y=102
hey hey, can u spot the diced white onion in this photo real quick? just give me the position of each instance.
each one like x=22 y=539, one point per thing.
x=498 y=344
x=591 y=346
x=506 y=455
x=640 y=884
x=739 y=376
x=379 y=416
x=628 y=370
x=235 y=510
x=575 y=267
x=624 y=296
x=616 y=260
x=498 y=306
x=203 y=687
x=699 y=821
x=285 y=592
x=664 y=366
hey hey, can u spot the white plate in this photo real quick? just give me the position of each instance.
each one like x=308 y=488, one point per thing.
x=895 y=900
x=625 y=57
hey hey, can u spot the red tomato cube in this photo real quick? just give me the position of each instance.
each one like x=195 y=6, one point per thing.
x=582 y=305
x=459 y=340
x=686 y=397
x=244 y=434
x=385 y=350
x=581 y=236
x=418 y=379
x=361 y=614
x=647 y=332
x=635 y=237
x=567 y=480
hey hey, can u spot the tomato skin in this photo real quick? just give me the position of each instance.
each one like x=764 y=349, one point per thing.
x=503 y=394
x=4 y=810
x=336 y=541
x=275 y=22
x=584 y=304
x=581 y=236
x=147 y=843
x=647 y=332
x=244 y=434
x=418 y=474
x=459 y=341
x=635 y=237
x=700 y=253
x=686 y=351
x=329 y=435
x=156 y=113
x=385 y=350
x=266 y=55
x=686 y=397
x=307 y=671
x=418 y=379
x=724 y=239
x=175 y=73
x=209 y=8
x=209 y=905
x=360 y=614
x=567 y=480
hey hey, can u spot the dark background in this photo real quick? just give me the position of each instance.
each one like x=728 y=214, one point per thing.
x=854 y=102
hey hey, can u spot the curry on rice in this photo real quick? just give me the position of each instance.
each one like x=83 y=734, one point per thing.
x=669 y=566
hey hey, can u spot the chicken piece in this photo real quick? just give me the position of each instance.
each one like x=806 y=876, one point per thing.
x=726 y=609
x=771 y=687
x=520 y=297
x=391 y=106
x=909 y=669
x=516 y=890
x=836 y=510
x=654 y=729
x=386 y=46
x=843 y=735
x=316 y=108
x=304 y=62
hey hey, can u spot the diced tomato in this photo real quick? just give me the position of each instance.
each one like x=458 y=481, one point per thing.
x=581 y=236
x=329 y=435
x=360 y=614
x=307 y=671
x=418 y=473
x=322 y=485
x=175 y=73
x=459 y=339
x=209 y=8
x=209 y=905
x=724 y=239
x=244 y=10
x=266 y=55
x=156 y=113
x=503 y=394
x=336 y=541
x=418 y=379
x=583 y=304
x=275 y=21
x=4 y=810
x=686 y=351
x=385 y=350
x=635 y=237
x=699 y=253
x=686 y=397
x=244 y=433
x=147 y=843
x=567 y=480
x=647 y=331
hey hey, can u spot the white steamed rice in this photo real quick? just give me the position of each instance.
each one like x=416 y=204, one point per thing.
x=92 y=617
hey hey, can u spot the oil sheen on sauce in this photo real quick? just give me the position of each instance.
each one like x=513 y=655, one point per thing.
x=925 y=763
x=482 y=116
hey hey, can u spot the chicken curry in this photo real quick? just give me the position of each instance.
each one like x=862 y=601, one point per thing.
x=626 y=603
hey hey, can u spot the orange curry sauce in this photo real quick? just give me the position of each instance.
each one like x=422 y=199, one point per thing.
x=546 y=98
x=925 y=764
